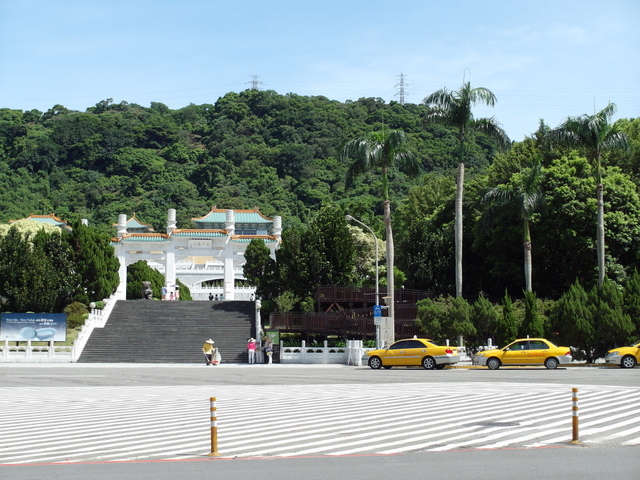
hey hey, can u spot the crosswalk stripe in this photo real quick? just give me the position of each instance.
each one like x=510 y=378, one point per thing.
x=43 y=424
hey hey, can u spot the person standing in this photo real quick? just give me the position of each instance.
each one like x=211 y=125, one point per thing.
x=209 y=351
x=251 y=349
x=268 y=350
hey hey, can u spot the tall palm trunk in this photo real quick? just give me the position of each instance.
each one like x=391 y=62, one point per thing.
x=458 y=229
x=527 y=256
x=600 y=234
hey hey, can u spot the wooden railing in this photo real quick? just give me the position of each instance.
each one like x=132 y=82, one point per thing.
x=352 y=295
x=350 y=321
x=358 y=322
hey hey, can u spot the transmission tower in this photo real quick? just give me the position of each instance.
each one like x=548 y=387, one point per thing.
x=254 y=82
x=401 y=93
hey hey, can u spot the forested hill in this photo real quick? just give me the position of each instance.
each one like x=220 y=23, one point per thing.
x=280 y=153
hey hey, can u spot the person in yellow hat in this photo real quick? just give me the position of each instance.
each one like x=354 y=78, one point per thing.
x=209 y=351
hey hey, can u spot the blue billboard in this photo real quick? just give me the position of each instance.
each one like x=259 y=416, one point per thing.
x=39 y=327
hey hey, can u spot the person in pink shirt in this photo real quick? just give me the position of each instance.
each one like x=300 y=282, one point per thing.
x=251 y=349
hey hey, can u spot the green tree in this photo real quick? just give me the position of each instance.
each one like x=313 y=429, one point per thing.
x=321 y=253
x=612 y=326
x=632 y=300
x=95 y=262
x=566 y=254
x=381 y=151
x=533 y=324
x=507 y=328
x=286 y=301
x=571 y=320
x=432 y=316
x=331 y=241
x=365 y=249
x=260 y=269
x=524 y=197
x=595 y=134
x=485 y=318
x=77 y=313
x=445 y=317
x=454 y=108
x=293 y=262
x=36 y=271
x=141 y=272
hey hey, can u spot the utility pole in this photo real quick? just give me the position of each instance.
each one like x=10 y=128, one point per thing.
x=401 y=93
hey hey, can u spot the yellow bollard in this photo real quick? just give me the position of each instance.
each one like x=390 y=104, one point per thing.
x=574 y=417
x=214 y=428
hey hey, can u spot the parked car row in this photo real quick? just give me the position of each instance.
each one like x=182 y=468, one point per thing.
x=521 y=352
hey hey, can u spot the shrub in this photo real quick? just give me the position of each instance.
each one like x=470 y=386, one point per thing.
x=77 y=313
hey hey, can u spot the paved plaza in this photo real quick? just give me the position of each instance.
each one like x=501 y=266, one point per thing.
x=105 y=414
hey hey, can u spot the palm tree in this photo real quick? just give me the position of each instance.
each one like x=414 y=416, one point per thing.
x=454 y=108
x=380 y=151
x=525 y=199
x=595 y=135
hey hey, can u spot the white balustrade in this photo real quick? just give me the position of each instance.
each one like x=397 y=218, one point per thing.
x=349 y=355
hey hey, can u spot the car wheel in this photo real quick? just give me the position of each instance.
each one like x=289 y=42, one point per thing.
x=493 y=363
x=428 y=363
x=440 y=367
x=551 y=363
x=375 y=363
x=628 y=361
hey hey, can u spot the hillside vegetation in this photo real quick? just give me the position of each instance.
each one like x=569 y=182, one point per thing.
x=282 y=153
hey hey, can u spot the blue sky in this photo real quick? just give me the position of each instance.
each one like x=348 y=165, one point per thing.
x=542 y=59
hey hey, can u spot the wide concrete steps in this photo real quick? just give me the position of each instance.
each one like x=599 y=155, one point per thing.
x=153 y=331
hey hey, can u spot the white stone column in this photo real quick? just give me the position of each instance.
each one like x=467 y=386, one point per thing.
x=171 y=221
x=121 y=292
x=122 y=225
x=229 y=277
x=258 y=323
x=277 y=227
x=170 y=267
x=231 y=222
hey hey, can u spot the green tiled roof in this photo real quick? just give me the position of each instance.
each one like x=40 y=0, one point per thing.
x=145 y=239
x=248 y=240
x=244 y=217
x=192 y=233
x=134 y=223
x=48 y=220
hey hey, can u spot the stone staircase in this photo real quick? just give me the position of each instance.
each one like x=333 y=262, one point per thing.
x=152 y=331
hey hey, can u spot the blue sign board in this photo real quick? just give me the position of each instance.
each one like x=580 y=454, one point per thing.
x=38 y=327
x=377 y=310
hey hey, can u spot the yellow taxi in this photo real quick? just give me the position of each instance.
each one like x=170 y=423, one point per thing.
x=626 y=357
x=412 y=352
x=525 y=351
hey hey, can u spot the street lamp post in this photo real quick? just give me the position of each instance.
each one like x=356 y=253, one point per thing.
x=350 y=218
